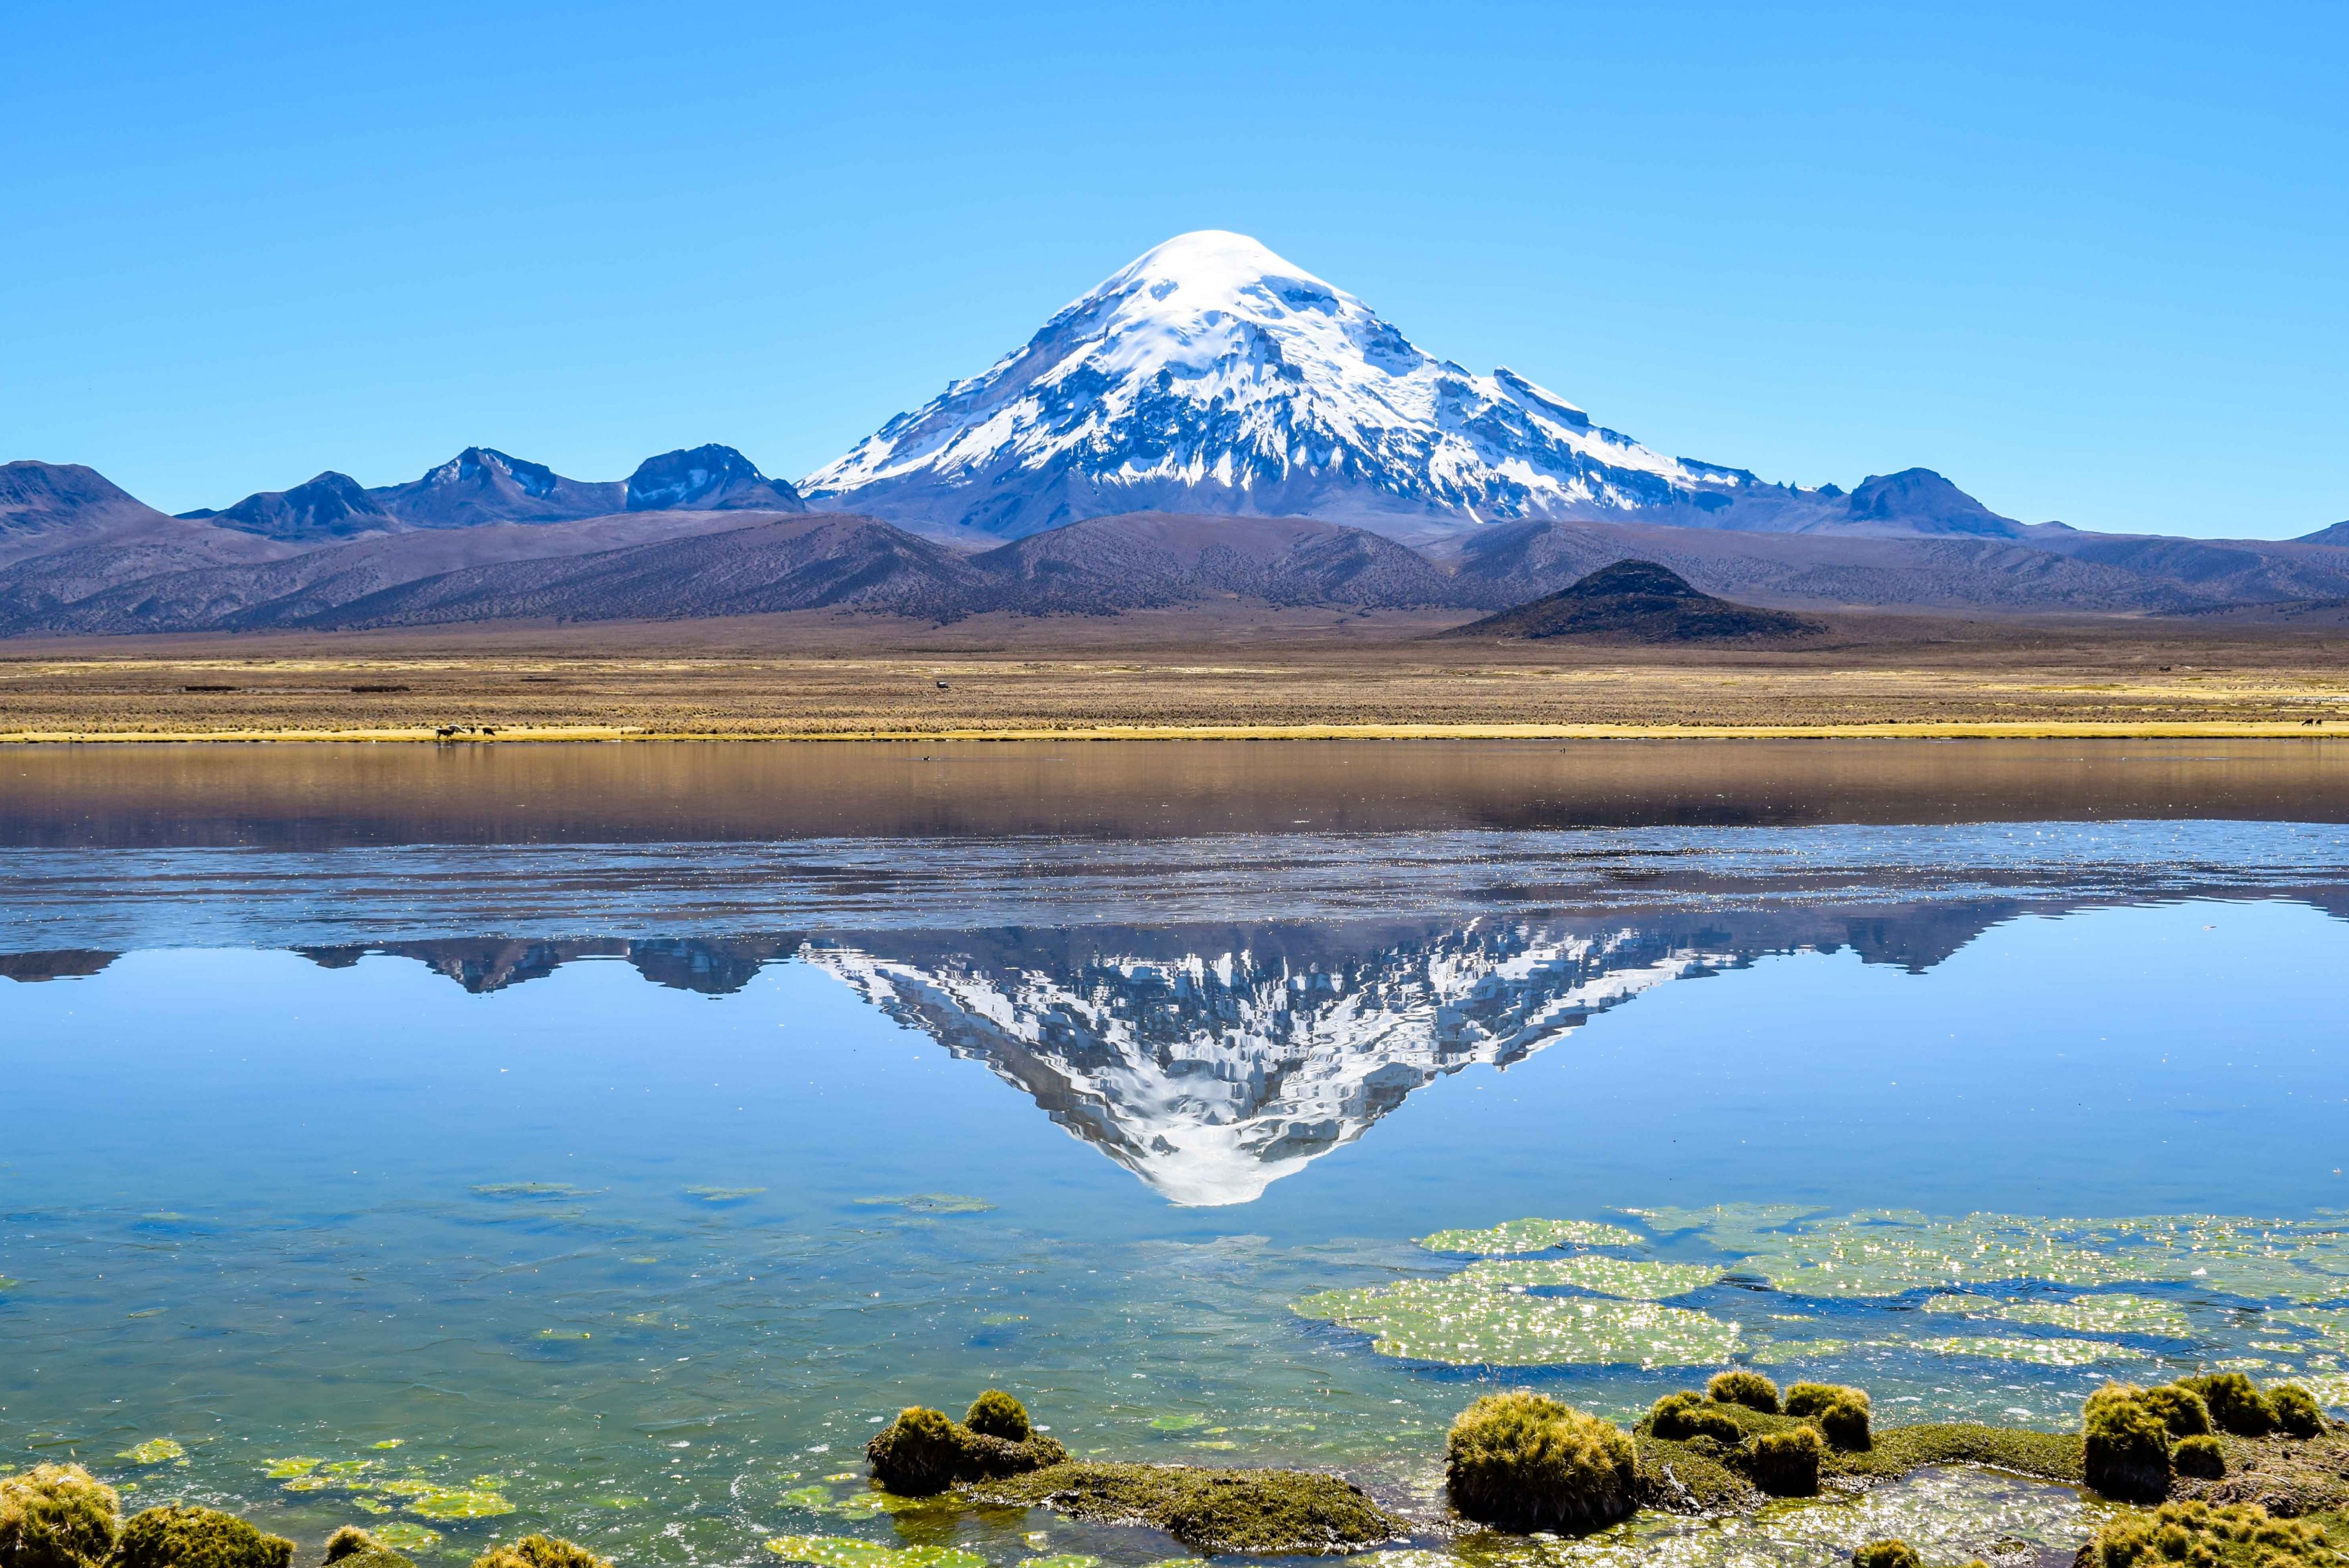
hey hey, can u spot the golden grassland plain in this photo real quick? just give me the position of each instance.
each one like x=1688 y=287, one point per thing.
x=1236 y=673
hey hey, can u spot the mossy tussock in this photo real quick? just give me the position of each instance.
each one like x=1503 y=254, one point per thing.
x=540 y=1551
x=923 y=1453
x=1524 y=1461
x=58 y=1516
x=1256 y=1511
x=187 y=1536
x=2198 y=1535
x=2219 y=1438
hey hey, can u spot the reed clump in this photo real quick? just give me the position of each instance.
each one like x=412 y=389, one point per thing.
x=58 y=1516
x=922 y=1452
x=1524 y=1461
x=1750 y=1390
x=1787 y=1463
x=1893 y=1553
x=541 y=1552
x=187 y=1536
x=2128 y=1445
x=2198 y=1535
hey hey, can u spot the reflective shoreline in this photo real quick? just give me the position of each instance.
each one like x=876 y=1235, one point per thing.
x=317 y=795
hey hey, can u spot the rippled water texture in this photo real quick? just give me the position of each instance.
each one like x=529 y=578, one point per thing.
x=482 y=1181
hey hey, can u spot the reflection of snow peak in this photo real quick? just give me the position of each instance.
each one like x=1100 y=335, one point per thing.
x=1210 y=1077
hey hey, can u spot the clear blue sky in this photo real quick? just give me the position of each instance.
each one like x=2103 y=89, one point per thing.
x=2092 y=262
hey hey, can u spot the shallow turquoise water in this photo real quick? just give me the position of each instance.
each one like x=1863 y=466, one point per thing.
x=643 y=1209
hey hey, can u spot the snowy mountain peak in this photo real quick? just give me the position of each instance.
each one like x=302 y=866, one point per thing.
x=1212 y=375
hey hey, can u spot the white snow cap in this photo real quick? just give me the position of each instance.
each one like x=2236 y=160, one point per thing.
x=1212 y=373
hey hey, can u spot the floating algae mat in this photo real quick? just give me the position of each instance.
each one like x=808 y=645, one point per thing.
x=1633 y=1279
x=1468 y=1321
x=1515 y=1236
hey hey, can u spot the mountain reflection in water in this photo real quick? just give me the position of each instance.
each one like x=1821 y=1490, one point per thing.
x=1212 y=1061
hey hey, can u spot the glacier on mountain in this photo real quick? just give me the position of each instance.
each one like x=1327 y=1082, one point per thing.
x=1212 y=376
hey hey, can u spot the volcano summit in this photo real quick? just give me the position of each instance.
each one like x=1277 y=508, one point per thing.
x=1212 y=376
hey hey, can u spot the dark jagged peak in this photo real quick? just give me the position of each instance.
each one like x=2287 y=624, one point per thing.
x=481 y=485
x=1918 y=501
x=1639 y=600
x=332 y=506
x=707 y=479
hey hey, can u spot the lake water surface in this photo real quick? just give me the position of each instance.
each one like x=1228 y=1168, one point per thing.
x=453 y=1138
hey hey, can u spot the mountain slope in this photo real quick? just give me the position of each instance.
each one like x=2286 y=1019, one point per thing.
x=707 y=479
x=483 y=485
x=1145 y=560
x=332 y=506
x=1211 y=375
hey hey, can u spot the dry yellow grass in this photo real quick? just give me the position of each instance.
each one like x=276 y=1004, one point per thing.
x=1266 y=675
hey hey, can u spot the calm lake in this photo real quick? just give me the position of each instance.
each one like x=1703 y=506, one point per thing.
x=606 y=1140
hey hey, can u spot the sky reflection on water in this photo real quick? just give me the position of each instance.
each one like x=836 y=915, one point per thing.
x=544 y=1205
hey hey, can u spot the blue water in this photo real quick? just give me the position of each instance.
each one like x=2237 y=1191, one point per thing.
x=634 y=1187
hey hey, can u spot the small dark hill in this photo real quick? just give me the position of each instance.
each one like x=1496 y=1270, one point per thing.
x=1639 y=600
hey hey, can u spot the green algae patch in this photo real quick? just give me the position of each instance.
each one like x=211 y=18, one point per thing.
x=571 y=1334
x=1626 y=1278
x=1898 y=1450
x=2104 y=1315
x=1513 y=1237
x=445 y=1502
x=528 y=1190
x=402 y=1536
x=1885 y=1253
x=845 y=1552
x=1463 y=1323
x=721 y=1195
x=390 y=1443
x=1176 y=1423
x=2031 y=1352
x=1257 y=1512
x=933 y=1204
x=153 y=1451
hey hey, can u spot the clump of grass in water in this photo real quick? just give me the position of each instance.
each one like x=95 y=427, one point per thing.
x=2128 y=1445
x=1787 y=1463
x=1524 y=1461
x=541 y=1552
x=2195 y=1534
x=922 y=1453
x=355 y=1548
x=58 y=1516
x=1750 y=1390
x=183 y=1534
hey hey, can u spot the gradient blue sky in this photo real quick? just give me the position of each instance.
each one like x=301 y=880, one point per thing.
x=2088 y=261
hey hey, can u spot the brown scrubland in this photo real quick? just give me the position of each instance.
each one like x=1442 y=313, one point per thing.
x=1239 y=669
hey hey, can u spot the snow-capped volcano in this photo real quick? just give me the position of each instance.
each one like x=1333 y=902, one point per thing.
x=1212 y=376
